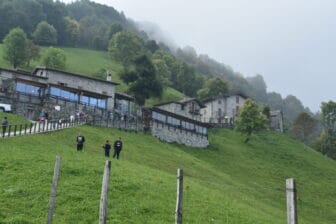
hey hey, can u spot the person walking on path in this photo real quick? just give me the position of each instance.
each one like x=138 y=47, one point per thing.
x=4 y=126
x=80 y=142
x=117 y=148
x=107 y=148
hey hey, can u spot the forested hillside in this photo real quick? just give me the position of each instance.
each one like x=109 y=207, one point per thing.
x=90 y=25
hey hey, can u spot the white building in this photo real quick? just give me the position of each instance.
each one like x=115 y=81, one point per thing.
x=222 y=108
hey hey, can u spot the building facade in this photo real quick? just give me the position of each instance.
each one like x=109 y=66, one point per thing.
x=171 y=127
x=190 y=108
x=222 y=108
x=276 y=120
x=59 y=93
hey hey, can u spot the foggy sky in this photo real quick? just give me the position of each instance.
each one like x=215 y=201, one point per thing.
x=290 y=43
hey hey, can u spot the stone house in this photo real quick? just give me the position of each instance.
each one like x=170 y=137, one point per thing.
x=189 y=108
x=222 y=108
x=124 y=105
x=59 y=93
x=276 y=120
x=172 y=127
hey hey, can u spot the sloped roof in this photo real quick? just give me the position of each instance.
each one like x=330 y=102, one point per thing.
x=182 y=102
x=72 y=74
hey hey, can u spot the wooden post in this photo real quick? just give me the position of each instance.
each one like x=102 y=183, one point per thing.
x=14 y=130
x=179 y=197
x=9 y=130
x=103 y=197
x=291 y=201
x=53 y=190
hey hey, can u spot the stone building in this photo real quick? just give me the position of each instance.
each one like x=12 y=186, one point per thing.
x=276 y=120
x=222 y=108
x=125 y=106
x=189 y=108
x=172 y=127
x=59 y=93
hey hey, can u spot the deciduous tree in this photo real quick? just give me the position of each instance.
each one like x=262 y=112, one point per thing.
x=45 y=34
x=54 y=58
x=327 y=142
x=250 y=119
x=15 y=47
x=32 y=52
x=304 y=127
x=125 y=47
x=213 y=87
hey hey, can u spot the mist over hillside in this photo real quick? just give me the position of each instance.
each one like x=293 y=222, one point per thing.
x=182 y=68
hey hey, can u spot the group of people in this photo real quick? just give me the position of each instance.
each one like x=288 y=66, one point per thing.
x=118 y=145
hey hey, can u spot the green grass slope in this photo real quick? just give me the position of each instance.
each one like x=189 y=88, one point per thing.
x=14 y=119
x=229 y=182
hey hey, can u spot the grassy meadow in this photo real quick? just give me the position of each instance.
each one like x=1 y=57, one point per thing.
x=228 y=182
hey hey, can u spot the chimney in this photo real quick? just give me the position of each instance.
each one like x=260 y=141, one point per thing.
x=109 y=77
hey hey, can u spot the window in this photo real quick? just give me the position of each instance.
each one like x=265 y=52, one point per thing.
x=173 y=121
x=28 y=89
x=93 y=101
x=61 y=93
x=102 y=103
x=159 y=117
x=84 y=100
x=219 y=101
x=237 y=99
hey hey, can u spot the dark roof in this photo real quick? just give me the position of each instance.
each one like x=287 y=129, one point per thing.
x=87 y=92
x=156 y=109
x=73 y=74
x=124 y=96
x=21 y=72
x=223 y=96
x=182 y=102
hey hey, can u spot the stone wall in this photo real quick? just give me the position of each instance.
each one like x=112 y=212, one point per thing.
x=170 y=134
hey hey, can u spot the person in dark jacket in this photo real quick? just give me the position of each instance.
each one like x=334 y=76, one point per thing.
x=117 y=148
x=107 y=148
x=80 y=142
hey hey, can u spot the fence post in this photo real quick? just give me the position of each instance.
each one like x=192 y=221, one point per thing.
x=103 y=197
x=53 y=190
x=179 y=197
x=20 y=129
x=9 y=130
x=15 y=130
x=291 y=201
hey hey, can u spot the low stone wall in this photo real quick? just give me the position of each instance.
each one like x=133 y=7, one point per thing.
x=170 y=134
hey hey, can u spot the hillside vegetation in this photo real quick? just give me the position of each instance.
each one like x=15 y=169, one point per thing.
x=229 y=182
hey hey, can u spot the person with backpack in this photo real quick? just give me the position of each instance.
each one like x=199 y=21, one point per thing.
x=107 y=148
x=4 y=126
x=117 y=148
x=80 y=142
